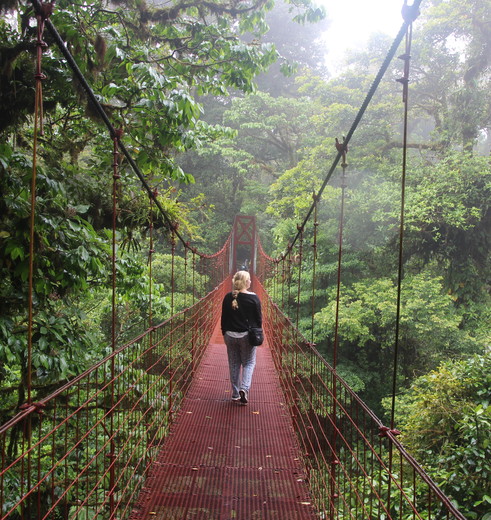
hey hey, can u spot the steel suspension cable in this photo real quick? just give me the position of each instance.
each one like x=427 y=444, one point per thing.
x=411 y=13
x=39 y=8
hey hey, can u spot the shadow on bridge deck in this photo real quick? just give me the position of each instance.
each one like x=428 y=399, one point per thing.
x=223 y=460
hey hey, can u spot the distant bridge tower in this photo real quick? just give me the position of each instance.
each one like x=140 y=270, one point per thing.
x=244 y=244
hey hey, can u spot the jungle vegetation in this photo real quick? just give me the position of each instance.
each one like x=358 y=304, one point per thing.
x=228 y=108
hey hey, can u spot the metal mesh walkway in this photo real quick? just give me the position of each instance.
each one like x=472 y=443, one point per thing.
x=223 y=460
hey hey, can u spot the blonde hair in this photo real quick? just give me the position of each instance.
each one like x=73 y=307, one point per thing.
x=239 y=280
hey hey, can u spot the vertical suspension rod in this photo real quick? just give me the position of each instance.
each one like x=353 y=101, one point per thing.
x=151 y=251
x=342 y=149
x=314 y=264
x=409 y=15
x=42 y=16
x=299 y=283
x=405 y=91
x=111 y=454
x=173 y=256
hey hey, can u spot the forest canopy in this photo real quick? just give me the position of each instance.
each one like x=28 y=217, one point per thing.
x=228 y=108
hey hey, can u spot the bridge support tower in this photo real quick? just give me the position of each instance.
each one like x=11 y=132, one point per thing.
x=244 y=244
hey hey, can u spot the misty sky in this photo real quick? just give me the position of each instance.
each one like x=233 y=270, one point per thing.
x=354 y=20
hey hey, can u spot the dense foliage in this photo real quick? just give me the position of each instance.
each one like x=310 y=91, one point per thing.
x=446 y=420
x=180 y=80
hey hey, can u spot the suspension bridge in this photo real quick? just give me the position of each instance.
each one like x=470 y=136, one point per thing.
x=150 y=431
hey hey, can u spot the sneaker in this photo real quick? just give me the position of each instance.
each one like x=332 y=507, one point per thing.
x=243 y=396
x=236 y=398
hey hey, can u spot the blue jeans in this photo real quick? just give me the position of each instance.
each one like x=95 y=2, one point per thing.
x=240 y=354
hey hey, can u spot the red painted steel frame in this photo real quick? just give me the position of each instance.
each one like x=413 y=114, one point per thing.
x=244 y=233
x=58 y=454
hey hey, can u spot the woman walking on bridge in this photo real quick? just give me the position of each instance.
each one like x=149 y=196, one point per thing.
x=241 y=309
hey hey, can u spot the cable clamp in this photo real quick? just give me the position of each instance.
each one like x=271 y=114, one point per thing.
x=174 y=226
x=45 y=10
x=341 y=147
x=409 y=12
x=385 y=430
x=38 y=407
x=117 y=133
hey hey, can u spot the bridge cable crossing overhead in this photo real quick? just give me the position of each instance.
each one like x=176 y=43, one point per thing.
x=411 y=12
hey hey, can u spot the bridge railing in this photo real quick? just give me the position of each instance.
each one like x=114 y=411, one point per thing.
x=85 y=451
x=357 y=469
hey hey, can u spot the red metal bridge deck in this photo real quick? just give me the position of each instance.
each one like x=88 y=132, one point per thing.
x=223 y=460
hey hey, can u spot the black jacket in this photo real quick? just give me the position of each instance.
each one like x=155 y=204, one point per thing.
x=235 y=319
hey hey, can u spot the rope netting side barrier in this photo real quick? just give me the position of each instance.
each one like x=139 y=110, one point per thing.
x=61 y=457
x=355 y=464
